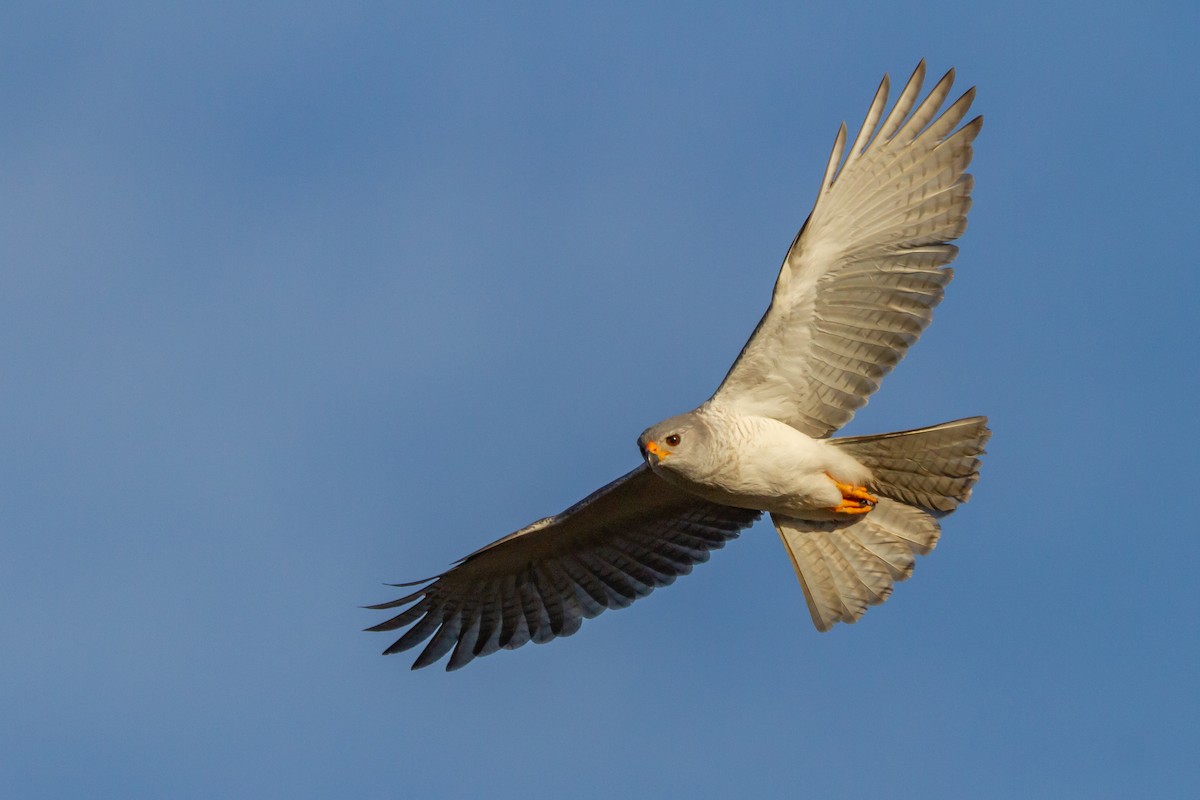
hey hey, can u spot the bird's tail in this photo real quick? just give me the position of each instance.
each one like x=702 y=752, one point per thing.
x=932 y=468
x=846 y=566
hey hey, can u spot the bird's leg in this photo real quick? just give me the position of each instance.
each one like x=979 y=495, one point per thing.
x=855 y=499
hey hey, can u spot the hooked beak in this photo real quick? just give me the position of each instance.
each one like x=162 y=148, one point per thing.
x=652 y=448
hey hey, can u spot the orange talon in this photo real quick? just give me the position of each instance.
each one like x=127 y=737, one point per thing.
x=855 y=499
x=852 y=507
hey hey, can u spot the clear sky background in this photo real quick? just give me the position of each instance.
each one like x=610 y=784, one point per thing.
x=305 y=298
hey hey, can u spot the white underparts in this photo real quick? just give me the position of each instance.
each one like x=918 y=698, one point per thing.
x=761 y=463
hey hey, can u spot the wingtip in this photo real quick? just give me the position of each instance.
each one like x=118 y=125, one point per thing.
x=377 y=607
x=378 y=628
x=411 y=583
x=918 y=73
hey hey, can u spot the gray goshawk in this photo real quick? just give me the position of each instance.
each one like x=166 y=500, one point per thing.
x=857 y=288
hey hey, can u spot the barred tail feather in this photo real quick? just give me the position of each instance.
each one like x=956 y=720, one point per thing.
x=932 y=468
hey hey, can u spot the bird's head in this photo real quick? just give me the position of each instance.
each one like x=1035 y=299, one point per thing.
x=680 y=445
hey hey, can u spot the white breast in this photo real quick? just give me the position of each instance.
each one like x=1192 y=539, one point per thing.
x=765 y=464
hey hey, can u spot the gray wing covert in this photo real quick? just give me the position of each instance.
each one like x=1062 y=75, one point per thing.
x=617 y=545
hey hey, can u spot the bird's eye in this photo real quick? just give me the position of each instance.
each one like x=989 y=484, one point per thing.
x=672 y=440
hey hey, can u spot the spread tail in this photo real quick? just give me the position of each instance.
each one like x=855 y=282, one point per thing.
x=846 y=566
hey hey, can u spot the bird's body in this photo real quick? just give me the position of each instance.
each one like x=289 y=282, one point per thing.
x=760 y=463
x=855 y=291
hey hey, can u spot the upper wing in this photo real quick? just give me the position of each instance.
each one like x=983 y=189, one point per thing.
x=861 y=279
x=617 y=545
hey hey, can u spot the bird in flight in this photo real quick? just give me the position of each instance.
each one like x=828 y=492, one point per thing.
x=857 y=288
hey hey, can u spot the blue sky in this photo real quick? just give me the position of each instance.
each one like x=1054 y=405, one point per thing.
x=305 y=298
